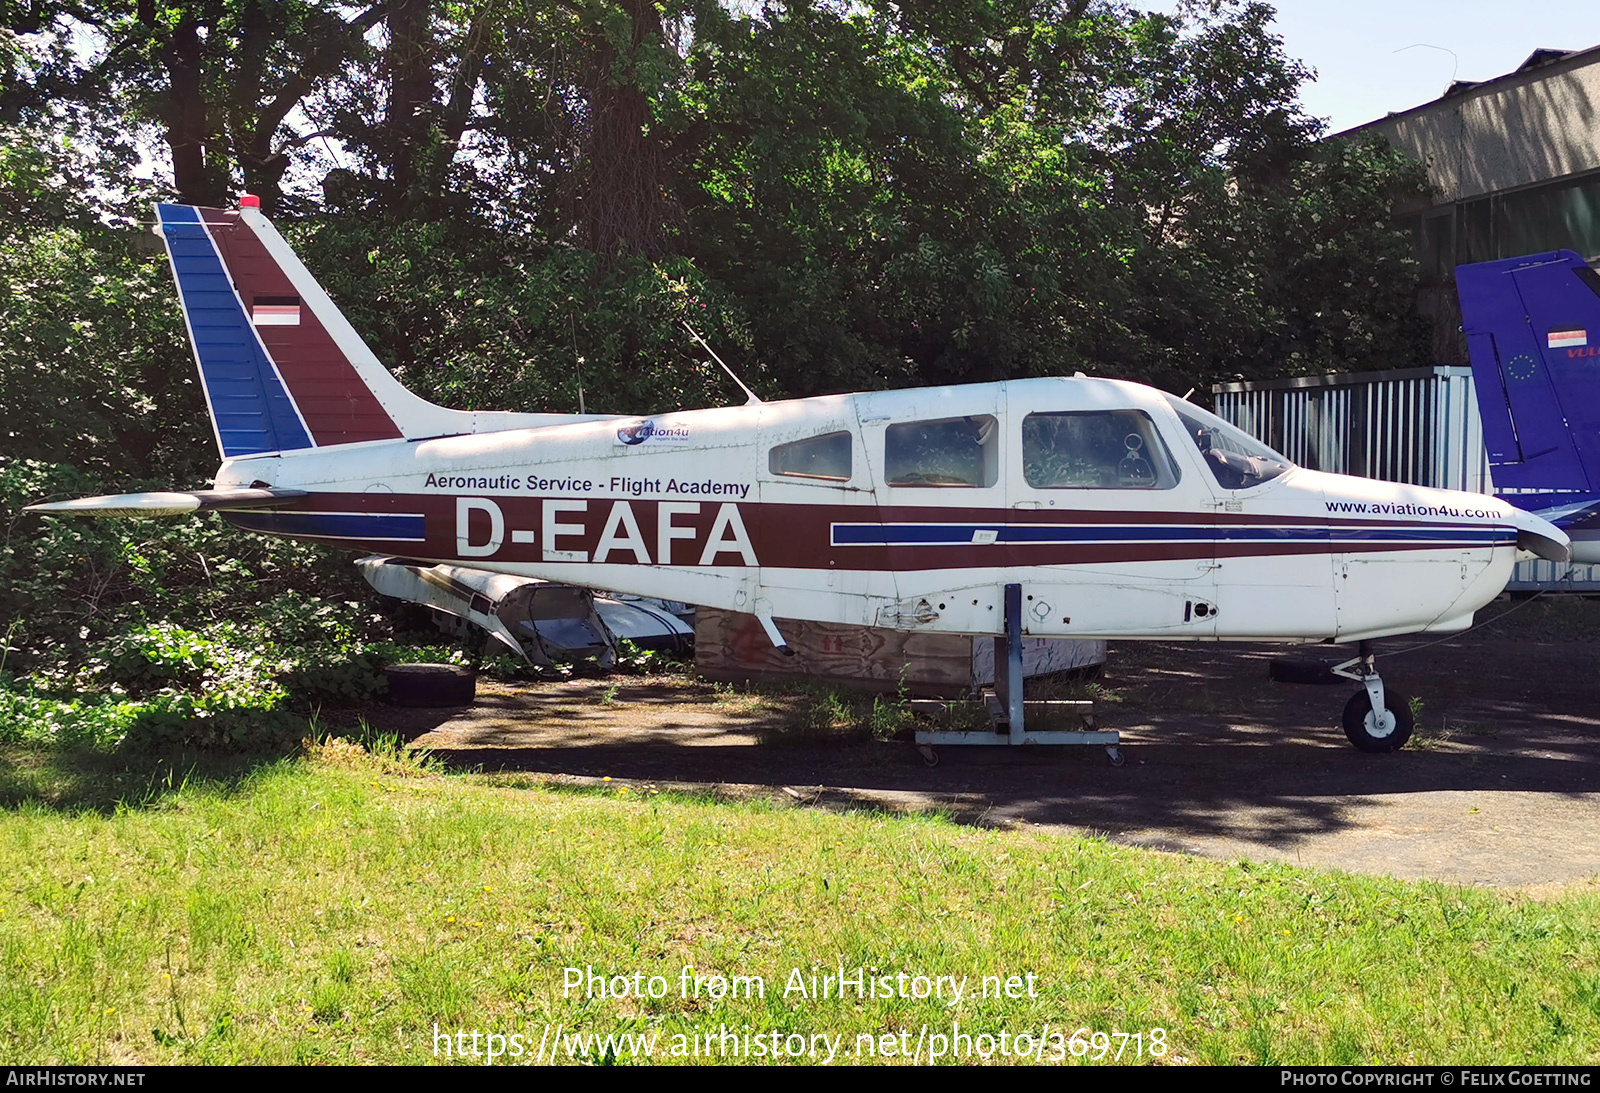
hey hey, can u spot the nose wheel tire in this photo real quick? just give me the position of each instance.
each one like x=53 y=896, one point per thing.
x=1372 y=734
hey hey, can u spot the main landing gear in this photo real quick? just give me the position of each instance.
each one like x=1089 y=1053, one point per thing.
x=1375 y=720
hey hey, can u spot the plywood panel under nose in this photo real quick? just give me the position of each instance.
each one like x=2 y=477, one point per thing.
x=731 y=646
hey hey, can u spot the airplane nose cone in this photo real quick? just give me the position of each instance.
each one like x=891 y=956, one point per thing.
x=1541 y=537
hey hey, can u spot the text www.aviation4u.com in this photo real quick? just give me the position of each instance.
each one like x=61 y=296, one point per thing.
x=1390 y=508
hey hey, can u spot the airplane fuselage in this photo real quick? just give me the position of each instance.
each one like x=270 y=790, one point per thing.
x=1053 y=507
x=912 y=510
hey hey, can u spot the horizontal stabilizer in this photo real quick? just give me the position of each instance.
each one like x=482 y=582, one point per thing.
x=169 y=504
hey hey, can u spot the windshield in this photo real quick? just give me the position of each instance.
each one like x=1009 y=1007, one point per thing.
x=1237 y=459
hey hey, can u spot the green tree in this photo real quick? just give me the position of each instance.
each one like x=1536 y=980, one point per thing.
x=860 y=195
x=224 y=82
x=95 y=367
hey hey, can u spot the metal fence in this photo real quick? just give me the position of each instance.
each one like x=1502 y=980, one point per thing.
x=1419 y=426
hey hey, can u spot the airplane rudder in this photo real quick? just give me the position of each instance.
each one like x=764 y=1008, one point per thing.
x=280 y=362
x=251 y=412
x=1533 y=331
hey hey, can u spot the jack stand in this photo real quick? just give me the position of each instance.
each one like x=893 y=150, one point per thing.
x=1008 y=712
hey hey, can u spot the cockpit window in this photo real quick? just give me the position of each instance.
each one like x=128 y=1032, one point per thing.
x=1237 y=459
x=1095 y=450
x=825 y=458
x=944 y=452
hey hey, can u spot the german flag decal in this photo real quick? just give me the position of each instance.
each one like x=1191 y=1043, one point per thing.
x=275 y=311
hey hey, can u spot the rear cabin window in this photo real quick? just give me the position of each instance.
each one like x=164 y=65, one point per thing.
x=1095 y=450
x=823 y=458
x=945 y=452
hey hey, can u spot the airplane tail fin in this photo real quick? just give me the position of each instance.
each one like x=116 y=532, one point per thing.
x=1533 y=332
x=283 y=370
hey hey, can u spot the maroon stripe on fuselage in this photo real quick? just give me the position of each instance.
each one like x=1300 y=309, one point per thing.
x=337 y=406
x=799 y=536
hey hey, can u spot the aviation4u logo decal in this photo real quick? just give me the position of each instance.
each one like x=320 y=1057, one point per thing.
x=639 y=432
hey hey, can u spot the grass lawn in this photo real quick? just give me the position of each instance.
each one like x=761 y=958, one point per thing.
x=343 y=907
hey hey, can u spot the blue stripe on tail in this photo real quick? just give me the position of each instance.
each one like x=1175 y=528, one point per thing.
x=252 y=410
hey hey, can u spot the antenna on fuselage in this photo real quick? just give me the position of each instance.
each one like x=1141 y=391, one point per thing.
x=753 y=400
x=578 y=357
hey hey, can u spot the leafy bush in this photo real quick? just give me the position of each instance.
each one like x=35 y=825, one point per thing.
x=229 y=686
x=175 y=632
x=68 y=584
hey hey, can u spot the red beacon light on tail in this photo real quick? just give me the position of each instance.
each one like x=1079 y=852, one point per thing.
x=249 y=201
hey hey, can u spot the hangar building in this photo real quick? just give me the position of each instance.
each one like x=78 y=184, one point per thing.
x=1516 y=161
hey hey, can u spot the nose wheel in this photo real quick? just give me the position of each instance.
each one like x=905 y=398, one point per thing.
x=1372 y=731
x=1375 y=719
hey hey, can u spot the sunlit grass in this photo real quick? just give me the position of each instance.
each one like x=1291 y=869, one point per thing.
x=338 y=907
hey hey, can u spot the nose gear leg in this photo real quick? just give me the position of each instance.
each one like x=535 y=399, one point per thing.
x=1375 y=720
x=1363 y=668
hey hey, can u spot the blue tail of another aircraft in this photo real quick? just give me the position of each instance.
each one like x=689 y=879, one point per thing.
x=1533 y=331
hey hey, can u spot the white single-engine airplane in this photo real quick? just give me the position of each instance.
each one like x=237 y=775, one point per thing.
x=1049 y=507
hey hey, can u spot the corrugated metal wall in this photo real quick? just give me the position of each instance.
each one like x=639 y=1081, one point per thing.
x=1419 y=426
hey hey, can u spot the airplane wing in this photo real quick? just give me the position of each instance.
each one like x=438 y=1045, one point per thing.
x=1565 y=516
x=1544 y=546
x=170 y=504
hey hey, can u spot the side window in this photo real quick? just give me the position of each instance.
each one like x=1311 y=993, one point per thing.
x=1095 y=450
x=826 y=458
x=951 y=451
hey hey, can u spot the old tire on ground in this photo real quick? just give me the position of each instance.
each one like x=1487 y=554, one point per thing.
x=1369 y=734
x=1292 y=670
x=431 y=684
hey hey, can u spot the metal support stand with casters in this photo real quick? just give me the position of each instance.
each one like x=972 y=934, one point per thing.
x=1375 y=720
x=1007 y=712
